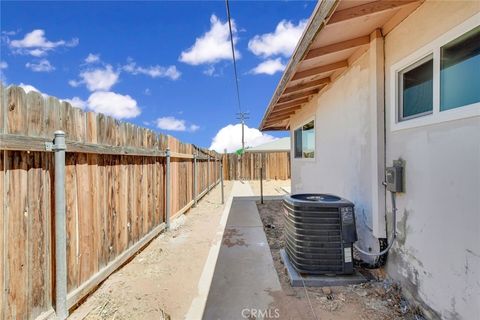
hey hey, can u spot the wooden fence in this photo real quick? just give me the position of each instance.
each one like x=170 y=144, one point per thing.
x=115 y=196
x=247 y=167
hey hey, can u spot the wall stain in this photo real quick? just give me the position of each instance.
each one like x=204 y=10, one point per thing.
x=453 y=315
x=472 y=253
x=232 y=237
x=400 y=267
x=402 y=228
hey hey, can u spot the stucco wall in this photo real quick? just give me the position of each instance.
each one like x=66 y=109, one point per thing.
x=343 y=157
x=437 y=256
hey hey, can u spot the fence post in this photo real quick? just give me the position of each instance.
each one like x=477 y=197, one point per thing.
x=195 y=179
x=167 y=189
x=261 y=178
x=261 y=185
x=208 y=173
x=225 y=160
x=219 y=165
x=59 y=148
x=221 y=179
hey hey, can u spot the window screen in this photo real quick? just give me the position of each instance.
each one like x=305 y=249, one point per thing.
x=460 y=71
x=416 y=89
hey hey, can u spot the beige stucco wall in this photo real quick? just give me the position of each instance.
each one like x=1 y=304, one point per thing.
x=437 y=256
x=343 y=157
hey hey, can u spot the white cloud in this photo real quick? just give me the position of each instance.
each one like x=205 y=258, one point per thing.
x=9 y=33
x=74 y=83
x=209 y=71
x=3 y=65
x=280 y=42
x=77 y=102
x=174 y=124
x=113 y=104
x=106 y=102
x=100 y=79
x=270 y=66
x=97 y=79
x=213 y=46
x=92 y=58
x=34 y=43
x=230 y=138
x=42 y=66
x=28 y=88
x=152 y=71
x=37 y=52
x=147 y=92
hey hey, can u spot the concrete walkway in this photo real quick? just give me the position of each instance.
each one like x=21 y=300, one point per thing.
x=244 y=279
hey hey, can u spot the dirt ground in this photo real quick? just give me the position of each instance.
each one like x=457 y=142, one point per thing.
x=377 y=299
x=161 y=281
x=270 y=187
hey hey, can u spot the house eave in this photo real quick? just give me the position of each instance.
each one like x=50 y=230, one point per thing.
x=337 y=34
x=323 y=10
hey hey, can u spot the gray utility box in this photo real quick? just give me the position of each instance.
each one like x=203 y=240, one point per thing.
x=394 y=177
x=319 y=232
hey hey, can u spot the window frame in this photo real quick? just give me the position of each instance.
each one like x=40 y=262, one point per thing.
x=436 y=116
x=314 y=140
x=400 y=89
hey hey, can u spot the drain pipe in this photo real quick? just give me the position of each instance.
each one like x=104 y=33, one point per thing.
x=394 y=234
x=394 y=183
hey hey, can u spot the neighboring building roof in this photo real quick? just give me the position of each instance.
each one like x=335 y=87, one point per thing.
x=279 y=145
x=337 y=33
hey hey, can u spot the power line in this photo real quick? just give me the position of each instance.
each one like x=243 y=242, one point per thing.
x=233 y=54
x=242 y=116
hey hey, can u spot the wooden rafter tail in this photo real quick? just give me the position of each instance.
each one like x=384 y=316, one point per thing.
x=337 y=47
x=321 y=69
x=367 y=9
x=273 y=119
x=280 y=117
x=281 y=106
x=296 y=96
x=299 y=95
x=284 y=112
x=307 y=85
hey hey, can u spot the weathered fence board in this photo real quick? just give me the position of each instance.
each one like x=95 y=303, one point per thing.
x=115 y=196
x=2 y=230
x=247 y=166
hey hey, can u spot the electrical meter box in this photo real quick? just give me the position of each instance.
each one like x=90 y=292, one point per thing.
x=394 y=177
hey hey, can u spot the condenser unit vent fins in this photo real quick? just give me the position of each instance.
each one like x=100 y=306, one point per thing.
x=319 y=233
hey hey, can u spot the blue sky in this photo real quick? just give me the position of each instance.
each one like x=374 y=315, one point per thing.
x=164 y=65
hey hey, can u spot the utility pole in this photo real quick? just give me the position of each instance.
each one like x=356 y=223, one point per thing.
x=242 y=116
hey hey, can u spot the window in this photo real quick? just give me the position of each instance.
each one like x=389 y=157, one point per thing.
x=297 y=136
x=416 y=89
x=304 y=141
x=460 y=71
x=440 y=81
